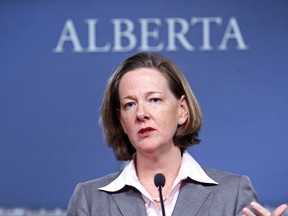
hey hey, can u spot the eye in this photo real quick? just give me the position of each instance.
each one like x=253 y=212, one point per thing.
x=154 y=100
x=129 y=105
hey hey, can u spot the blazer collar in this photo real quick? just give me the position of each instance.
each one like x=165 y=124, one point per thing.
x=129 y=202
x=191 y=198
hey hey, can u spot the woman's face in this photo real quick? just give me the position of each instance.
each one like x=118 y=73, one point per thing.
x=149 y=112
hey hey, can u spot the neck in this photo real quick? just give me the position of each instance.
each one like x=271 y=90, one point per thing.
x=148 y=166
x=162 y=162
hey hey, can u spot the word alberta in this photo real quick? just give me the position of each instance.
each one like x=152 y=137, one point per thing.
x=151 y=34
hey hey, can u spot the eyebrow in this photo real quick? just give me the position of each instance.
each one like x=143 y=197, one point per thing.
x=147 y=94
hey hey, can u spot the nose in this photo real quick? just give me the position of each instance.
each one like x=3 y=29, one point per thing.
x=141 y=113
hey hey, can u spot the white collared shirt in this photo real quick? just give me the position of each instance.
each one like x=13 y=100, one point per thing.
x=189 y=169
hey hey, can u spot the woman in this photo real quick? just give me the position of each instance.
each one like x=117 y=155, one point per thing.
x=150 y=117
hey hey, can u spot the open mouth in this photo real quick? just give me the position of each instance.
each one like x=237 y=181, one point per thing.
x=144 y=132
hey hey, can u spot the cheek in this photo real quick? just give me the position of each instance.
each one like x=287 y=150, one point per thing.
x=169 y=121
x=123 y=123
x=126 y=124
x=123 y=127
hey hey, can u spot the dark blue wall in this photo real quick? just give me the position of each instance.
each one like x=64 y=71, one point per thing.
x=55 y=58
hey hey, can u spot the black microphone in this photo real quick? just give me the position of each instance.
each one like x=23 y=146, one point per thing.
x=159 y=181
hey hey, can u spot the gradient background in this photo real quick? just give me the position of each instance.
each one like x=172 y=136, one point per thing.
x=49 y=102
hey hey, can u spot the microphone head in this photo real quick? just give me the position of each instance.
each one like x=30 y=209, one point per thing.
x=159 y=180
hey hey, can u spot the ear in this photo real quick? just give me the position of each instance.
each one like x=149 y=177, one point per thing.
x=183 y=110
x=120 y=120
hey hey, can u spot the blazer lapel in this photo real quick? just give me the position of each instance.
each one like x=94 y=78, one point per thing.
x=130 y=202
x=191 y=198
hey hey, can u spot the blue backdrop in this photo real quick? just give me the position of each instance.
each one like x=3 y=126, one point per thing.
x=55 y=58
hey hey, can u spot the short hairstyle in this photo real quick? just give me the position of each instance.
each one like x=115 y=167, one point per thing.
x=186 y=134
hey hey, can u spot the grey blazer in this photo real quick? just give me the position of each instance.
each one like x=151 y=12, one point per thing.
x=228 y=198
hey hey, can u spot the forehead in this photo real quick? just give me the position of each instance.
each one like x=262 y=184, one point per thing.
x=143 y=79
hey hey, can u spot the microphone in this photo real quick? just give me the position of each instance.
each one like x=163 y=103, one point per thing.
x=159 y=181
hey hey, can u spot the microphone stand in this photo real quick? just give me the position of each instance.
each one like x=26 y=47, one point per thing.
x=161 y=200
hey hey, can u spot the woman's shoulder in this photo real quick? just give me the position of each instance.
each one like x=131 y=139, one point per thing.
x=90 y=189
x=87 y=193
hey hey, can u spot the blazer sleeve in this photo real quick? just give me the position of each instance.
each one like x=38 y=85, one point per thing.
x=78 y=205
x=246 y=194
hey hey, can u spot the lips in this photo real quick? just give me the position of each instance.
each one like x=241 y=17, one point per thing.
x=145 y=132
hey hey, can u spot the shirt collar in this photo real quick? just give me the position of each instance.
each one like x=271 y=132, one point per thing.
x=189 y=169
x=127 y=177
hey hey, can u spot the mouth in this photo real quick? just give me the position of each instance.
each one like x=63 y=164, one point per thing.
x=145 y=132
